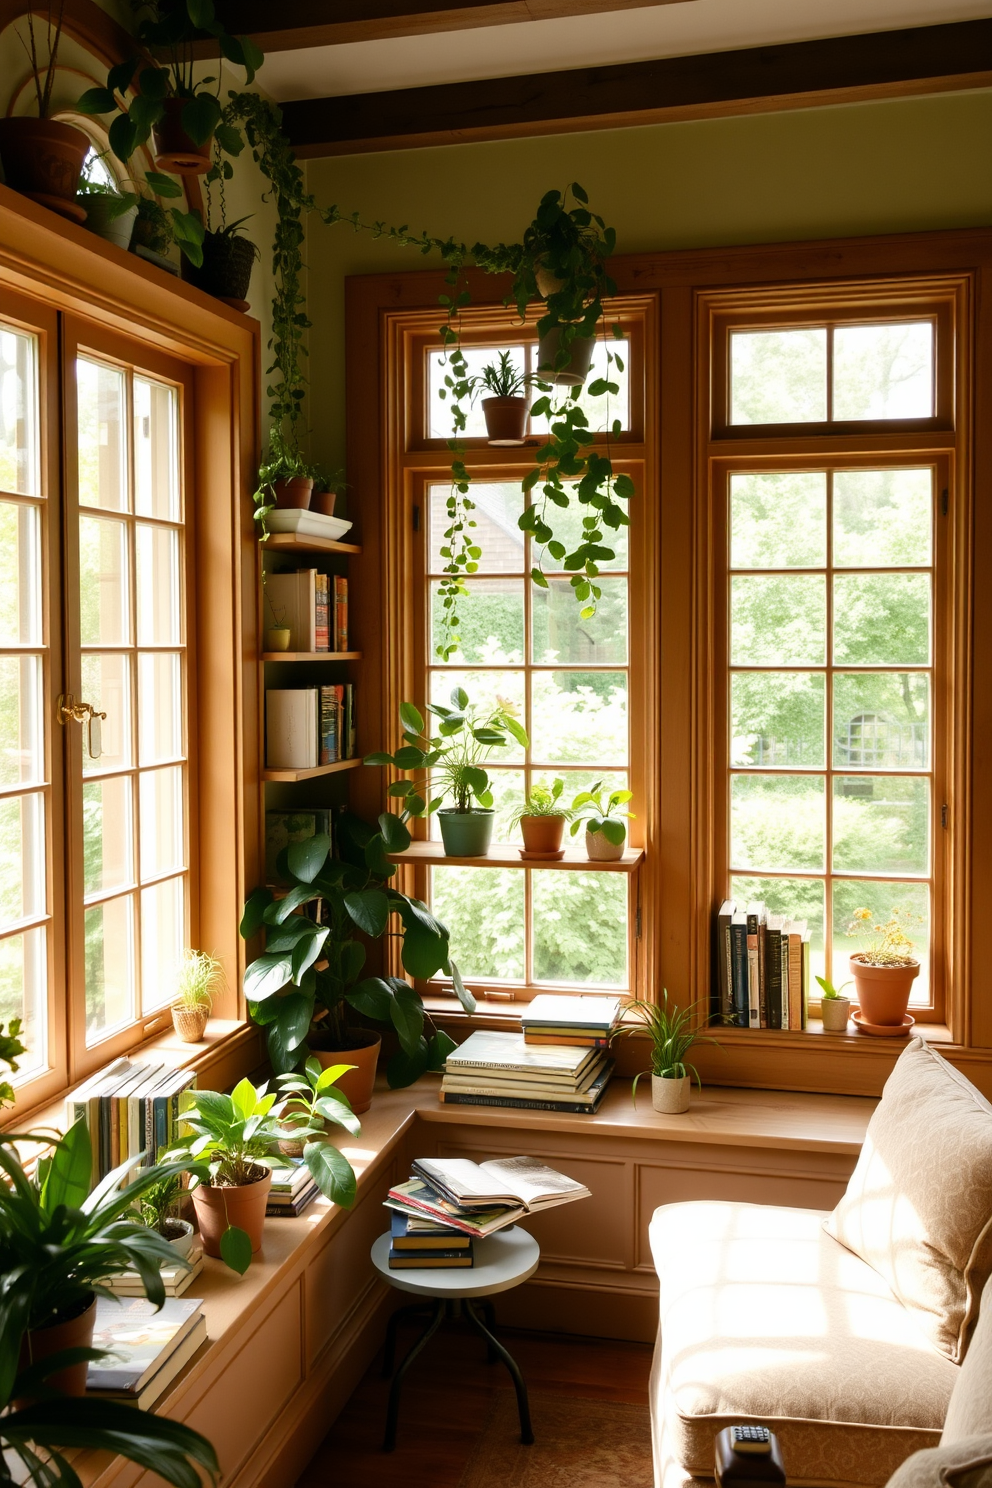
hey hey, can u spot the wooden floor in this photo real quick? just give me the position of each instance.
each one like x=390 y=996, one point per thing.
x=446 y=1397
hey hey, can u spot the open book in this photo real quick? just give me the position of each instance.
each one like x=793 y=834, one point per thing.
x=519 y=1181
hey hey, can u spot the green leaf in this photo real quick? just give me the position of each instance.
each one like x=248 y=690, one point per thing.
x=411 y=719
x=123 y=138
x=332 y=1173
x=424 y=953
x=438 y=1049
x=200 y=117
x=306 y=951
x=244 y=1097
x=403 y=1069
x=144 y=113
x=517 y=730
x=153 y=83
x=119 y=77
x=394 y=833
x=229 y=139
x=163 y=185
x=372 y=998
x=280 y=910
x=379 y=759
x=351 y=956
x=369 y=910
x=306 y=858
x=235 y=1249
x=461 y=991
x=400 y=788
x=613 y=831
x=407 y=1013
x=96 y=101
x=538 y=578
x=409 y=757
x=67 y=1176
x=267 y=975
x=288 y=1031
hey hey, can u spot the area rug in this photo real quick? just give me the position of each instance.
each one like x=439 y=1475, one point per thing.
x=578 y=1443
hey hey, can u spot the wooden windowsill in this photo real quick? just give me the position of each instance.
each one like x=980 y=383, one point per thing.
x=507 y=855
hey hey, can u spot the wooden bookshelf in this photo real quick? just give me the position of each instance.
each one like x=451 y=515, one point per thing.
x=507 y=855
x=291 y=542
x=290 y=775
x=311 y=655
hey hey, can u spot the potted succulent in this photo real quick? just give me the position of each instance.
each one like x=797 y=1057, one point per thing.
x=885 y=968
x=605 y=831
x=454 y=757
x=43 y=158
x=672 y=1035
x=542 y=821
x=197 y=978
x=159 y=1209
x=308 y=989
x=326 y=490
x=225 y=271
x=309 y=1103
x=835 y=1010
x=505 y=410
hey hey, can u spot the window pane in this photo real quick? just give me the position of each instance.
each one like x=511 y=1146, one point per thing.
x=163 y=935
x=100 y=438
x=22 y=736
x=20 y=575
x=19 y=448
x=568 y=529
x=561 y=635
x=22 y=858
x=497 y=508
x=483 y=909
x=778 y=620
x=881 y=824
x=882 y=517
x=882 y=619
x=486 y=692
x=797 y=899
x=159 y=621
x=579 y=717
x=439 y=397
x=104 y=618
x=160 y=715
x=777 y=822
x=491 y=622
x=107 y=686
x=580 y=928
x=778 y=521
x=778 y=377
x=110 y=968
x=882 y=898
x=162 y=835
x=603 y=410
x=24 y=995
x=883 y=371
x=882 y=720
x=108 y=833
x=778 y=719
x=156 y=450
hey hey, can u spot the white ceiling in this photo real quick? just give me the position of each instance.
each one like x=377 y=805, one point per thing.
x=614 y=36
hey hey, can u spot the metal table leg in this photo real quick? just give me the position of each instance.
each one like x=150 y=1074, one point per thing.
x=392 y=1413
x=523 y=1406
x=418 y=1309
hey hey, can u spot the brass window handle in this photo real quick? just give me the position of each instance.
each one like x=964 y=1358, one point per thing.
x=67 y=710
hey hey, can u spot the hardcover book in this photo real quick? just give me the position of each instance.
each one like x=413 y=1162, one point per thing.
x=138 y=1338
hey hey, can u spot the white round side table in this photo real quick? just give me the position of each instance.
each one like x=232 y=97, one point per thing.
x=502 y=1261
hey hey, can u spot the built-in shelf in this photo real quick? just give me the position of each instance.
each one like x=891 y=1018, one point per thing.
x=311 y=655
x=507 y=855
x=348 y=764
x=283 y=541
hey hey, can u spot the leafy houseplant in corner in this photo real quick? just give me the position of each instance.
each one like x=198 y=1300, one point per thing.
x=505 y=410
x=309 y=1103
x=43 y=158
x=454 y=757
x=884 y=969
x=284 y=480
x=605 y=831
x=197 y=979
x=672 y=1036
x=834 y=1009
x=542 y=821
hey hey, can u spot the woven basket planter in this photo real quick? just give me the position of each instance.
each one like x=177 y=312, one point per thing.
x=190 y=1023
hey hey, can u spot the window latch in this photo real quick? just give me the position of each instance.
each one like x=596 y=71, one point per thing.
x=67 y=710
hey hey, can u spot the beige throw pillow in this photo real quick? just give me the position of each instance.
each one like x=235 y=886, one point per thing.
x=969 y=1412
x=968 y=1464
x=918 y=1207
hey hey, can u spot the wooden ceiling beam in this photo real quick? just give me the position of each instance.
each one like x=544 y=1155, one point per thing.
x=755 y=79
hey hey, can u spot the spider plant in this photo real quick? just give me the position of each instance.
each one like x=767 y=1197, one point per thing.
x=197 y=978
x=502 y=379
x=672 y=1034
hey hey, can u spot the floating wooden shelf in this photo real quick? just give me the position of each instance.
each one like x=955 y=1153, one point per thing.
x=507 y=855
x=348 y=764
x=311 y=655
x=295 y=543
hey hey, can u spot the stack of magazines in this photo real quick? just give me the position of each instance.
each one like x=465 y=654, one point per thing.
x=505 y=1069
x=293 y=1187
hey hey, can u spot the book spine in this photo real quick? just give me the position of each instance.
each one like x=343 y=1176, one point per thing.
x=795 y=981
x=328 y=726
x=322 y=625
x=738 y=936
x=762 y=974
x=350 y=733
x=340 y=613
x=753 y=1013
x=785 y=980
x=514 y=1103
x=773 y=956
x=579 y=1041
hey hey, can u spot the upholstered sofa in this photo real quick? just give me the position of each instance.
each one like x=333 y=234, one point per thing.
x=844 y=1333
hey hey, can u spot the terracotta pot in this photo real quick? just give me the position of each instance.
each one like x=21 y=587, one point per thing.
x=542 y=834
x=506 y=419
x=190 y=1023
x=244 y=1208
x=670 y=1097
x=174 y=150
x=225 y=272
x=43 y=159
x=324 y=502
x=883 y=991
x=835 y=1012
x=576 y=370
x=357 y=1084
x=278 y=638
x=41 y=1343
x=293 y=491
x=600 y=850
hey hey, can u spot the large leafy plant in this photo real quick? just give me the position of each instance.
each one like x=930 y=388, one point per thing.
x=308 y=986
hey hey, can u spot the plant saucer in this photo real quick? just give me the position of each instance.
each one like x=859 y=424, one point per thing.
x=882 y=1030
x=548 y=857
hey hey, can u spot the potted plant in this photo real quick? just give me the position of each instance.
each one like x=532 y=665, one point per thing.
x=605 y=831
x=110 y=213
x=159 y=1209
x=672 y=1035
x=197 y=978
x=505 y=410
x=326 y=490
x=309 y=1103
x=454 y=757
x=284 y=480
x=834 y=1009
x=225 y=271
x=43 y=158
x=152 y=227
x=885 y=968
x=308 y=989
x=542 y=821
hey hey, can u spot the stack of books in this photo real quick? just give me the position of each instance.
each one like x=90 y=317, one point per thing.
x=309 y=726
x=478 y=1199
x=589 y=1022
x=424 y=1244
x=130 y=1109
x=313 y=605
x=147 y=1348
x=503 y=1069
x=176 y=1279
x=293 y=1187
x=762 y=967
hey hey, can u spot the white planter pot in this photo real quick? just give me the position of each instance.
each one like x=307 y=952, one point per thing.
x=670 y=1097
x=835 y=1012
x=600 y=850
x=183 y=1243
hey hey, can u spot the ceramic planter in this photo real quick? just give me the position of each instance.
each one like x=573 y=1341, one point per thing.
x=466 y=834
x=600 y=850
x=101 y=219
x=357 y=1084
x=225 y=273
x=278 y=638
x=835 y=1012
x=542 y=834
x=506 y=419
x=293 y=492
x=670 y=1097
x=182 y=1243
x=883 y=991
x=576 y=370
x=190 y=1022
x=172 y=146
x=217 y=1207
x=324 y=502
x=43 y=159
x=75 y=1332
x=547 y=283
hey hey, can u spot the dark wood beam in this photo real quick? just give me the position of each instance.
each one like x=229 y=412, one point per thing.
x=755 y=79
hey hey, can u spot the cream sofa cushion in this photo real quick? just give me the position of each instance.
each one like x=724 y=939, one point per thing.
x=763 y=1317
x=970 y=1411
x=918 y=1207
x=966 y=1464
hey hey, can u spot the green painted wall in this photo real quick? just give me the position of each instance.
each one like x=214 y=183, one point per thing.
x=894 y=166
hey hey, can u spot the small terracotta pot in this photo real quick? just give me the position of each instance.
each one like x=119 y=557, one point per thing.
x=244 y=1208
x=670 y=1097
x=883 y=991
x=43 y=159
x=542 y=834
x=190 y=1023
x=576 y=369
x=278 y=638
x=174 y=150
x=357 y=1084
x=293 y=492
x=835 y=1012
x=600 y=850
x=506 y=419
x=41 y=1343
x=324 y=502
